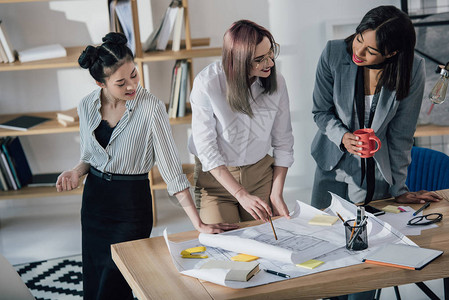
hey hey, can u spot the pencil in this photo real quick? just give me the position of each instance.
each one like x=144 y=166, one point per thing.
x=272 y=227
x=341 y=218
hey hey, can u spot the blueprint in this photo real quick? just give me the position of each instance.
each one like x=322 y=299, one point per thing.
x=297 y=242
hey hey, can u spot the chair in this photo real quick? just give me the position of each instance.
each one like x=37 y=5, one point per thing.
x=12 y=286
x=429 y=170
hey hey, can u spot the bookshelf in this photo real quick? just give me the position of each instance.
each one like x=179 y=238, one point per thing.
x=70 y=61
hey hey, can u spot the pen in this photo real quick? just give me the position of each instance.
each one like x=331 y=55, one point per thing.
x=422 y=208
x=272 y=227
x=277 y=273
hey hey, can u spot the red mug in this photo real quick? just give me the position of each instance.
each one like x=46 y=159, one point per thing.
x=369 y=142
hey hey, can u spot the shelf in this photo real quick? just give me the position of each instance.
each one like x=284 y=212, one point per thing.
x=181 y=54
x=73 y=53
x=157 y=183
x=69 y=61
x=37 y=192
x=19 y=1
x=431 y=130
x=51 y=126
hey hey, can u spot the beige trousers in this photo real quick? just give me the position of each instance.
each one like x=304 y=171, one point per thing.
x=217 y=205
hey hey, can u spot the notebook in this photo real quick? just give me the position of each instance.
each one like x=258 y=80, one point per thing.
x=402 y=256
x=238 y=270
x=23 y=122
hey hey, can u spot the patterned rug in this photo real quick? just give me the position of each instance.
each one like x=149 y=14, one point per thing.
x=54 y=279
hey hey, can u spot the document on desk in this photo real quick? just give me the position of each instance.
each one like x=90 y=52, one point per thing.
x=298 y=241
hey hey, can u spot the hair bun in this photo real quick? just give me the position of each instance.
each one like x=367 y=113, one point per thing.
x=115 y=38
x=88 y=57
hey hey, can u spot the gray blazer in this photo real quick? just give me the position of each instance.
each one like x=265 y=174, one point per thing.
x=334 y=113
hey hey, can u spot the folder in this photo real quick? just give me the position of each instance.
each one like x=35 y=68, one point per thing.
x=402 y=256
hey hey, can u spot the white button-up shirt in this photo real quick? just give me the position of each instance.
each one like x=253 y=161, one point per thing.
x=223 y=137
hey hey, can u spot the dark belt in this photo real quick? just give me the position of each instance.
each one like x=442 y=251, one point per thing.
x=111 y=177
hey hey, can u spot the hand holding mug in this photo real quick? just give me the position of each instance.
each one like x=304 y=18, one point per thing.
x=370 y=142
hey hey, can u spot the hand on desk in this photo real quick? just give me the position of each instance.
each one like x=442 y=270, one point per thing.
x=418 y=197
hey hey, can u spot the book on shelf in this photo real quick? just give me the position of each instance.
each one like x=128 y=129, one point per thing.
x=172 y=89
x=183 y=89
x=3 y=182
x=7 y=171
x=23 y=123
x=3 y=57
x=177 y=29
x=123 y=13
x=43 y=179
x=174 y=107
x=42 y=52
x=4 y=40
x=17 y=161
x=114 y=23
x=158 y=39
x=70 y=115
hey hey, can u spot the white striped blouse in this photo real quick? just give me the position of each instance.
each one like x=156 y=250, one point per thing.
x=142 y=137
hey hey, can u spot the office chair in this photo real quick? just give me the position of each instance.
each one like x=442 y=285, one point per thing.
x=12 y=286
x=429 y=170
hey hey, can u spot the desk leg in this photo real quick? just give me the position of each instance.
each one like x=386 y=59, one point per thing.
x=446 y=288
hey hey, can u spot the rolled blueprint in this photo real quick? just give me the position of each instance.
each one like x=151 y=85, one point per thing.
x=249 y=246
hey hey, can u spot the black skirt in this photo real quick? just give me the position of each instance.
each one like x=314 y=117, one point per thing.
x=111 y=212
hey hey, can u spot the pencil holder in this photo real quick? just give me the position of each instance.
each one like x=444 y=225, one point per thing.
x=356 y=235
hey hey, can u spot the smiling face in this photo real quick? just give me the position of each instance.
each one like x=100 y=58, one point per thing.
x=365 y=51
x=122 y=84
x=263 y=59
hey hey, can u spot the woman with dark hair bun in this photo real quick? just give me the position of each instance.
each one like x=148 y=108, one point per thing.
x=124 y=130
x=241 y=112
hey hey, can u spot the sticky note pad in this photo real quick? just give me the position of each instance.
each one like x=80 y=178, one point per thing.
x=310 y=264
x=391 y=209
x=323 y=220
x=244 y=257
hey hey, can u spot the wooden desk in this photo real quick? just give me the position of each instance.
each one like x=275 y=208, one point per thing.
x=147 y=266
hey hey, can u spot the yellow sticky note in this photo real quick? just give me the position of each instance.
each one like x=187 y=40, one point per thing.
x=323 y=220
x=244 y=257
x=391 y=209
x=310 y=264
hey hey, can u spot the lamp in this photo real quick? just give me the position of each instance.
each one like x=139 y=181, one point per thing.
x=438 y=92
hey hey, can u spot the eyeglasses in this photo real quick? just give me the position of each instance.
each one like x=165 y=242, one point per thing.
x=272 y=54
x=426 y=219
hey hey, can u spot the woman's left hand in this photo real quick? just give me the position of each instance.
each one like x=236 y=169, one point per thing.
x=418 y=197
x=216 y=228
x=279 y=206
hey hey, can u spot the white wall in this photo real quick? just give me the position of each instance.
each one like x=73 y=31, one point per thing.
x=298 y=25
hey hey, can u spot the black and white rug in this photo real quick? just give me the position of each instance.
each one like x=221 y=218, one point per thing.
x=54 y=279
